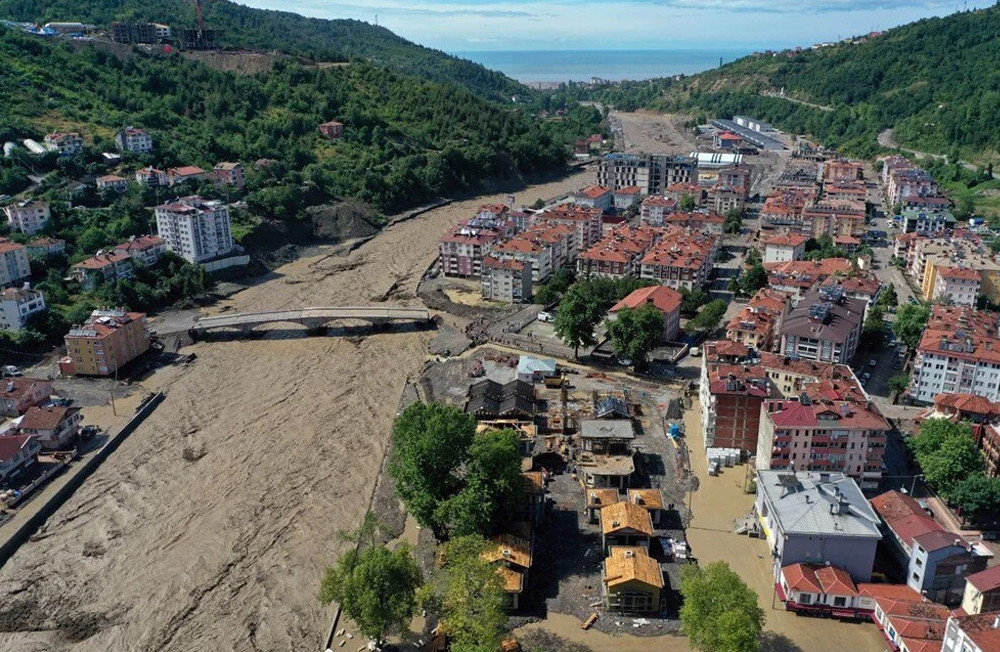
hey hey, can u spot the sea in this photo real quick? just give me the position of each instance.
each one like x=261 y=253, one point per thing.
x=551 y=66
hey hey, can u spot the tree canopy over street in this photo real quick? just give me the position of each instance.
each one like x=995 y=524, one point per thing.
x=720 y=612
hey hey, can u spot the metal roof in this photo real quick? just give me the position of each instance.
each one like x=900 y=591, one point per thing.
x=813 y=503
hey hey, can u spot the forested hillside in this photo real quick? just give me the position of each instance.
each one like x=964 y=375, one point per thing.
x=244 y=27
x=407 y=139
x=936 y=82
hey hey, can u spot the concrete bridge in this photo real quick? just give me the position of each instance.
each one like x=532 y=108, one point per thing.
x=312 y=318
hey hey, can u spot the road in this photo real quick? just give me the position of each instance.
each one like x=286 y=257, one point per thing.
x=821 y=107
x=885 y=139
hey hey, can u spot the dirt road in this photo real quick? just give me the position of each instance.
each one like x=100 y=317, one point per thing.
x=209 y=528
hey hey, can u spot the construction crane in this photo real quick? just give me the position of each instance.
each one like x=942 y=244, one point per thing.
x=201 y=19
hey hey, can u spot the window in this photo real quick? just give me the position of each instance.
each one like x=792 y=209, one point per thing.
x=805 y=598
x=840 y=602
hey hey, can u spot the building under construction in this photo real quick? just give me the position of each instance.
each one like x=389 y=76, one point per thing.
x=200 y=39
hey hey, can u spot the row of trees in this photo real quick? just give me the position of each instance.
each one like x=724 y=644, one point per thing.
x=585 y=304
x=954 y=467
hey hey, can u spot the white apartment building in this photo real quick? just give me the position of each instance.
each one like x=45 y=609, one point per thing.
x=959 y=353
x=151 y=177
x=14 y=264
x=28 y=216
x=972 y=633
x=785 y=248
x=17 y=305
x=134 y=140
x=959 y=284
x=196 y=229
x=506 y=280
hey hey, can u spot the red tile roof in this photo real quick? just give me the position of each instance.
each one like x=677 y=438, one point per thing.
x=962 y=273
x=786 y=240
x=503 y=264
x=102 y=261
x=819 y=579
x=982 y=629
x=594 y=192
x=7 y=246
x=186 y=171
x=11 y=446
x=987 y=580
x=141 y=243
x=904 y=516
x=665 y=299
x=46 y=418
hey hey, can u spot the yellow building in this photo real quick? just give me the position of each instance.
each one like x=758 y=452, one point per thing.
x=109 y=340
x=632 y=580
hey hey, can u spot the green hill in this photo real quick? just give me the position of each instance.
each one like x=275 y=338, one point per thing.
x=244 y=27
x=936 y=82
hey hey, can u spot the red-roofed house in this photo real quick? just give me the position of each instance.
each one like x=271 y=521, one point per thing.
x=728 y=140
x=595 y=197
x=785 y=247
x=973 y=633
x=151 y=177
x=184 y=174
x=332 y=129
x=667 y=301
x=960 y=285
x=819 y=590
x=19 y=394
x=907 y=620
x=146 y=248
x=627 y=197
x=67 y=144
x=112 y=182
x=506 y=280
x=982 y=591
x=655 y=209
x=704 y=221
x=227 y=174
x=17 y=453
x=55 y=426
x=107 y=266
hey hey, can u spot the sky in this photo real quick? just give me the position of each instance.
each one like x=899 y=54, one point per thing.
x=468 y=25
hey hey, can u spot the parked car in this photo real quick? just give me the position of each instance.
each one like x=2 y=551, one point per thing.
x=873 y=362
x=545 y=317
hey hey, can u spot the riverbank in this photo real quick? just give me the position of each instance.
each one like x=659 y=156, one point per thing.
x=210 y=527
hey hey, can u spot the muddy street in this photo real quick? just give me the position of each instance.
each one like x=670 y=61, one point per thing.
x=209 y=528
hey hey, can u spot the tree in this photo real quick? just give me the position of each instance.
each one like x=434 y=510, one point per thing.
x=492 y=485
x=910 y=323
x=472 y=599
x=576 y=319
x=375 y=587
x=979 y=497
x=957 y=459
x=753 y=257
x=899 y=383
x=889 y=299
x=874 y=327
x=691 y=300
x=634 y=333
x=430 y=442
x=720 y=612
x=687 y=203
x=753 y=279
x=708 y=318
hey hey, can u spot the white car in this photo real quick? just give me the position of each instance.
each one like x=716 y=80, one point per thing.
x=545 y=317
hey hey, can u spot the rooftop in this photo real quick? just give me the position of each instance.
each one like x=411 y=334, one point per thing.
x=46 y=418
x=983 y=629
x=820 y=504
x=606 y=429
x=786 y=240
x=819 y=578
x=625 y=516
x=985 y=581
x=665 y=299
x=631 y=563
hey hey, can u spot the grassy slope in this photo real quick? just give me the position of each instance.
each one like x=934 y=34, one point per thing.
x=245 y=27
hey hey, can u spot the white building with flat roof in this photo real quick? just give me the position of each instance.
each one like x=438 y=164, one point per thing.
x=196 y=229
x=17 y=305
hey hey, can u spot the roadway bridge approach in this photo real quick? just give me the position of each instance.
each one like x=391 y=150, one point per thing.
x=312 y=318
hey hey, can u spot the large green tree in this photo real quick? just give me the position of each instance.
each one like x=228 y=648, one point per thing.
x=472 y=598
x=753 y=279
x=947 y=454
x=708 y=318
x=577 y=318
x=910 y=322
x=720 y=612
x=979 y=498
x=636 y=332
x=430 y=442
x=376 y=587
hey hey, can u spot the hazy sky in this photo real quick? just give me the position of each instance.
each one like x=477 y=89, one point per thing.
x=457 y=25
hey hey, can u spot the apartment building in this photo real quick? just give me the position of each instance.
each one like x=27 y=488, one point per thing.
x=505 y=280
x=67 y=144
x=195 y=229
x=14 y=264
x=544 y=247
x=824 y=326
x=817 y=518
x=619 y=254
x=958 y=285
x=108 y=340
x=833 y=426
x=665 y=300
x=627 y=197
x=463 y=249
x=758 y=324
x=46 y=247
x=797 y=278
x=655 y=209
x=650 y=172
x=703 y=221
x=731 y=397
x=17 y=305
x=681 y=259
x=184 y=174
x=972 y=633
x=783 y=210
x=785 y=247
x=112 y=182
x=28 y=215
x=834 y=217
x=585 y=219
x=932 y=223
x=723 y=199
x=147 y=249
x=959 y=353
x=842 y=171
x=131 y=139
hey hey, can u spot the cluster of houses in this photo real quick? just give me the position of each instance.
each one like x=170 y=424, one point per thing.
x=33 y=420
x=824 y=533
x=948 y=264
x=812 y=198
x=598 y=441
